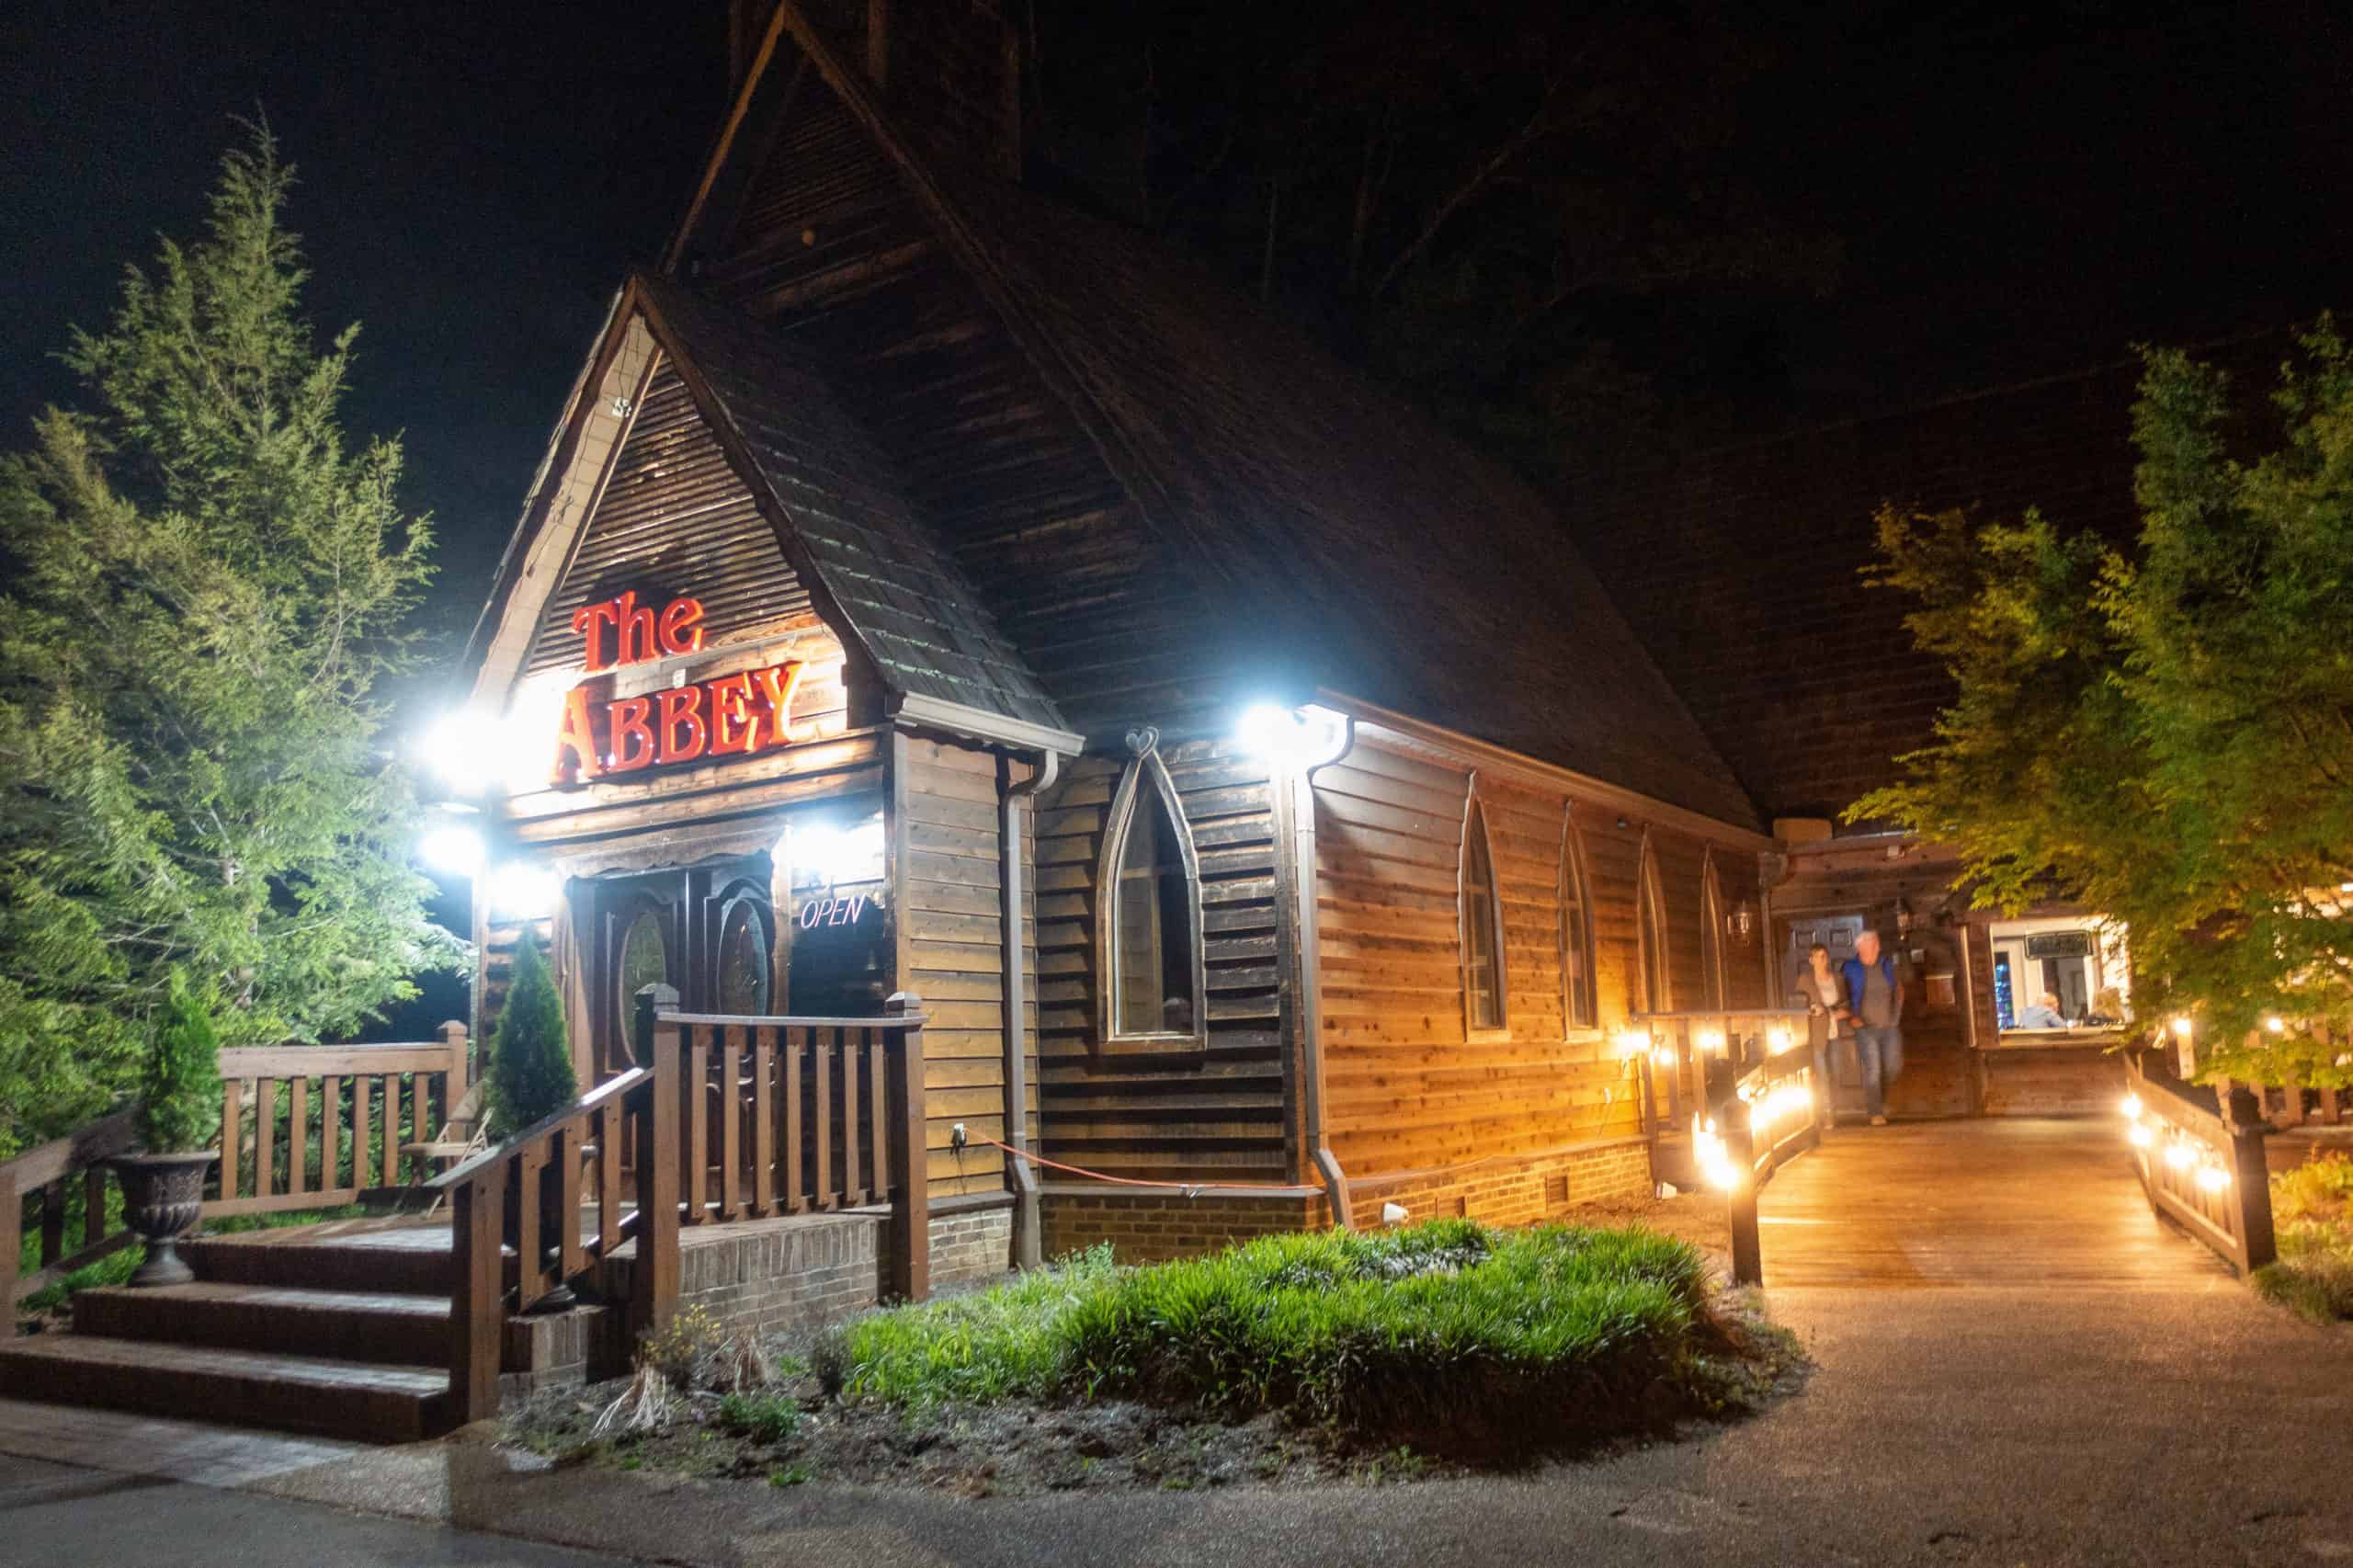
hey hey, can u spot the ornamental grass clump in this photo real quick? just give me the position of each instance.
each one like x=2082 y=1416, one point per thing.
x=1450 y=1336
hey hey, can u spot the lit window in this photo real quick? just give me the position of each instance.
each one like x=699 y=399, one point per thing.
x=1578 y=1009
x=1482 y=925
x=1152 y=891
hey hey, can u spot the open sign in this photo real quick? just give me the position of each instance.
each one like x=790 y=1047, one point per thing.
x=849 y=911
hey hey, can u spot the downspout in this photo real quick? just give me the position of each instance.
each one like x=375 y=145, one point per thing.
x=1027 y=1248
x=1311 y=979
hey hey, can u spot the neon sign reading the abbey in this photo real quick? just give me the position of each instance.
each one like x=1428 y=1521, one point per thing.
x=732 y=716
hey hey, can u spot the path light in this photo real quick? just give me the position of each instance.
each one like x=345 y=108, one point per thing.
x=2181 y=1027
x=2132 y=1107
x=2139 y=1136
x=1779 y=1039
x=2177 y=1155
x=2212 y=1178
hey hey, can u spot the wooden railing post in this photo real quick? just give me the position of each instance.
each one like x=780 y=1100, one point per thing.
x=453 y=1036
x=1731 y=1115
x=2250 y=1178
x=910 y=1162
x=12 y=1244
x=477 y=1310
x=654 y=1282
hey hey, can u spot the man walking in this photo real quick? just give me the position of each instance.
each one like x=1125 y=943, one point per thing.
x=1877 y=997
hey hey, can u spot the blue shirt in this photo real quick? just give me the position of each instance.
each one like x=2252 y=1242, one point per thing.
x=1853 y=969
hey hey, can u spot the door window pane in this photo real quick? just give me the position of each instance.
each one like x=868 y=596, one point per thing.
x=644 y=961
x=744 y=958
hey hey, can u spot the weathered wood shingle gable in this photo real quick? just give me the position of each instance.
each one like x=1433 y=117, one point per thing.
x=1296 y=526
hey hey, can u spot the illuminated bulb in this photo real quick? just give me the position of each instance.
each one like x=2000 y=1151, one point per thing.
x=2132 y=1107
x=520 y=891
x=2178 y=1156
x=1710 y=1039
x=2212 y=1178
x=1779 y=1039
x=453 y=850
x=2139 y=1135
x=1633 y=1043
x=1288 y=740
x=1664 y=1056
x=2181 y=1027
x=2276 y=1024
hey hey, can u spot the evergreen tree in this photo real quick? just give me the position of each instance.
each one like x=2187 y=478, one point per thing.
x=205 y=589
x=2166 y=733
x=530 y=1061
x=179 y=1089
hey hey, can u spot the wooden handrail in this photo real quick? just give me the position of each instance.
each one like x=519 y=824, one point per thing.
x=2230 y=1212
x=729 y=1118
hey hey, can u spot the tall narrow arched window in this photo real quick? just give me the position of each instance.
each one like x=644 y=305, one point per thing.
x=1579 y=1007
x=1650 y=932
x=1712 y=938
x=1148 y=912
x=1482 y=923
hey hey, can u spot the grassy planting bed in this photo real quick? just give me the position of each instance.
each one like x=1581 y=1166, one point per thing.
x=2312 y=1214
x=1444 y=1347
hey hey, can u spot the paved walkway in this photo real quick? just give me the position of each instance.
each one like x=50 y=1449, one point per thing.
x=1987 y=1392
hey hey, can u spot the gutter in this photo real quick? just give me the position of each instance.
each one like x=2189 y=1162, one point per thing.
x=979 y=724
x=1027 y=1248
x=1311 y=981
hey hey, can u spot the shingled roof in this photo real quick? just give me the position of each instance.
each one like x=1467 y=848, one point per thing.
x=1423 y=577
x=897 y=594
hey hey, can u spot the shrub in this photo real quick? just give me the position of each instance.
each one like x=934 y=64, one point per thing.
x=530 y=1061
x=765 y=1417
x=682 y=1351
x=180 y=1084
x=2312 y=1214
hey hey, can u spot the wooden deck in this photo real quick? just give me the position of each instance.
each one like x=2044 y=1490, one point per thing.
x=1995 y=1203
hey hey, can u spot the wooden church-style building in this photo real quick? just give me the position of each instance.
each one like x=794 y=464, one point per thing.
x=932 y=588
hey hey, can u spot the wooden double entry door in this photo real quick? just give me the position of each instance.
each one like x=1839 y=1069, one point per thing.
x=714 y=932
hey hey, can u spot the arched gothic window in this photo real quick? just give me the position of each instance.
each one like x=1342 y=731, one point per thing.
x=1484 y=999
x=1649 y=930
x=1712 y=938
x=1148 y=902
x=1579 y=1007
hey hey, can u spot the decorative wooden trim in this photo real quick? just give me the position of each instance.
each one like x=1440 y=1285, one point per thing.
x=1573 y=868
x=1474 y=810
x=1146 y=761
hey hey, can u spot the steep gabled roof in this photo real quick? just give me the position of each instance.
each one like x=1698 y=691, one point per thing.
x=1417 y=574
x=894 y=597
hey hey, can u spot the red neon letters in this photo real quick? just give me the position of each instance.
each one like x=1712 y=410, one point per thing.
x=733 y=715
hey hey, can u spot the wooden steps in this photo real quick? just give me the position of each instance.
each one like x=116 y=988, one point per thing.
x=367 y=1401
x=340 y=1330
x=347 y=1324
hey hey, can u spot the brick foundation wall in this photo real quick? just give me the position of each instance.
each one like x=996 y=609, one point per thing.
x=969 y=1246
x=1512 y=1192
x=1153 y=1226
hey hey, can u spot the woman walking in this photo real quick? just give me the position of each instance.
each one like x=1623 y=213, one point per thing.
x=1824 y=991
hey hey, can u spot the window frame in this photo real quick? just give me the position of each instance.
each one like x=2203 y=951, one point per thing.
x=1146 y=771
x=1653 y=969
x=1576 y=915
x=1474 y=811
x=1714 y=990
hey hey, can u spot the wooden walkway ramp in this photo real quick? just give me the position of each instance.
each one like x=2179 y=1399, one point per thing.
x=1995 y=1203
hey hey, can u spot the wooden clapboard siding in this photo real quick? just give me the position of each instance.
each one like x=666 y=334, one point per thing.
x=1748 y=980
x=673 y=520
x=1408 y=1086
x=833 y=248
x=951 y=948
x=1215 y=1113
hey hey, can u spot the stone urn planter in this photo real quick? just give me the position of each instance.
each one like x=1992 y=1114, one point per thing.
x=161 y=1197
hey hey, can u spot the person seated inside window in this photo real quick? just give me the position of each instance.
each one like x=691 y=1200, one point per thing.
x=2044 y=1014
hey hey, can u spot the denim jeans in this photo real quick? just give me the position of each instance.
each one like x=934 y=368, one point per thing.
x=1879 y=1054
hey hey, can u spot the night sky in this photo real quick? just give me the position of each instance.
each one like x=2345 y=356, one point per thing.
x=2016 y=190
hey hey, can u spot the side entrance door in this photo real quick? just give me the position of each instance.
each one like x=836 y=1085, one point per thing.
x=709 y=931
